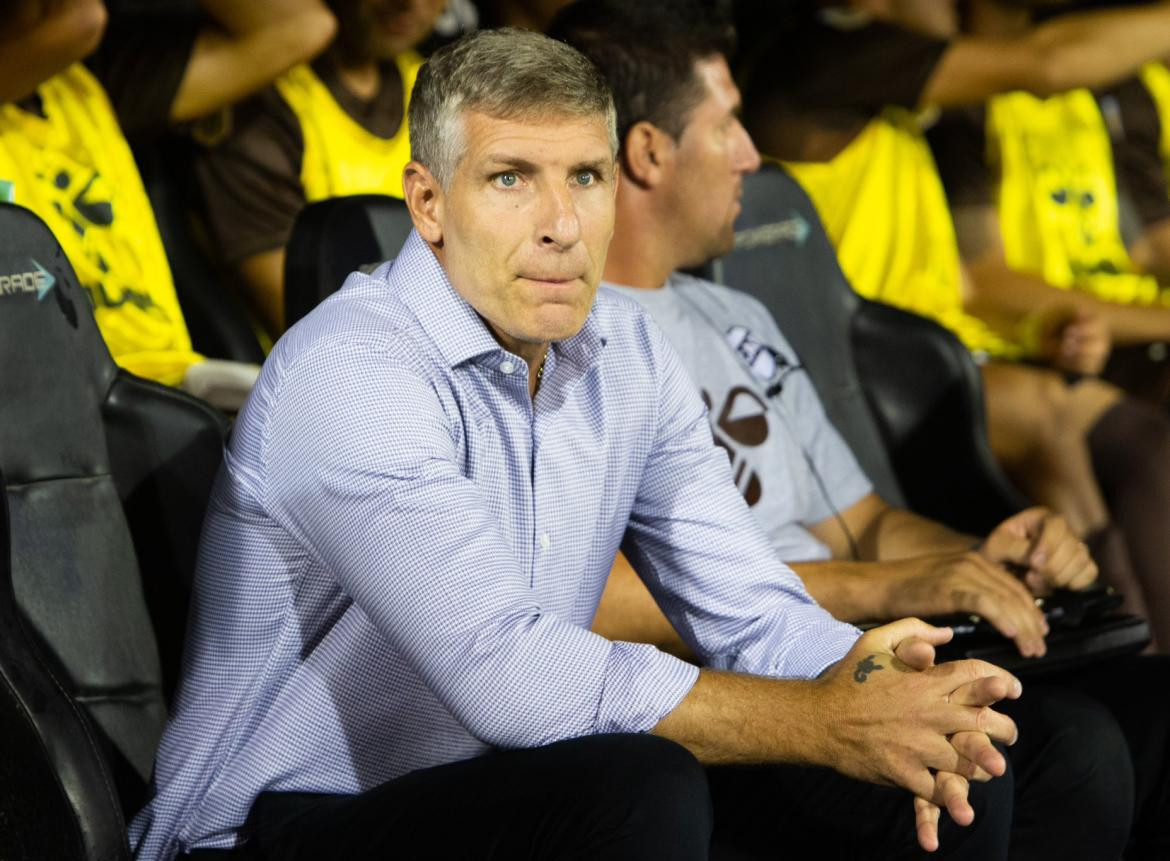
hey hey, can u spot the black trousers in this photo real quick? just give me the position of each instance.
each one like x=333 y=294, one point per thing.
x=602 y=797
x=1091 y=770
x=1136 y=691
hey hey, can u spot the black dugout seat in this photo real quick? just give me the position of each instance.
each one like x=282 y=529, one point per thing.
x=902 y=391
x=107 y=480
x=334 y=237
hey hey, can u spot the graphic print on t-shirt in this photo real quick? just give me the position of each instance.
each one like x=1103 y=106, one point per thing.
x=739 y=425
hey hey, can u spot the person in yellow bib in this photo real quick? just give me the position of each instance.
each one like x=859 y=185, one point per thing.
x=64 y=155
x=840 y=100
x=1143 y=165
x=331 y=128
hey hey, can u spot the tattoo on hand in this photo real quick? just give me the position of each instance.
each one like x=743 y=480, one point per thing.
x=864 y=668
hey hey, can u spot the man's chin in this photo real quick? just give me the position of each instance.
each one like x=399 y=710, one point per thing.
x=555 y=325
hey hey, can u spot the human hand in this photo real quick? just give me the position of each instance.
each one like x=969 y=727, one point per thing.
x=973 y=582
x=1043 y=544
x=1076 y=340
x=899 y=725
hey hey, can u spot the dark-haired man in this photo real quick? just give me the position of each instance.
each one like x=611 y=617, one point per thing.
x=418 y=510
x=683 y=158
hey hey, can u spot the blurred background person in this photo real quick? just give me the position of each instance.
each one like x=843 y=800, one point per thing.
x=837 y=95
x=64 y=152
x=330 y=128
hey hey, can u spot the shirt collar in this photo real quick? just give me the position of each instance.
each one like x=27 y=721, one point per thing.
x=421 y=282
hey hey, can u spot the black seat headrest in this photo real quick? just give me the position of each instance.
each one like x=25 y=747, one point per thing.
x=332 y=238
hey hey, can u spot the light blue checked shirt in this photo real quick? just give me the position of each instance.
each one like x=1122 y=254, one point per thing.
x=403 y=555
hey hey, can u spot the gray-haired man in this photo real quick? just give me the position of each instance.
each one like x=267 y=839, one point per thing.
x=417 y=514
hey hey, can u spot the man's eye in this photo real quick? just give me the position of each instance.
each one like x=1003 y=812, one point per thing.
x=586 y=177
x=508 y=179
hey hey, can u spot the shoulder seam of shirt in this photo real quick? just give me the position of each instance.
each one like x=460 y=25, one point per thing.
x=372 y=343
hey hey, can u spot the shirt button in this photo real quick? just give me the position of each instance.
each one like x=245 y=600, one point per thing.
x=507 y=367
x=545 y=541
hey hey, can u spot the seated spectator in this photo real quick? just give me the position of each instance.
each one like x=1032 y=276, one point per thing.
x=683 y=158
x=389 y=653
x=853 y=141
x=331 y=128
x=64 y=155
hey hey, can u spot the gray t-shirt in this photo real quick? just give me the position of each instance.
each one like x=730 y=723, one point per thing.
x=764 y=410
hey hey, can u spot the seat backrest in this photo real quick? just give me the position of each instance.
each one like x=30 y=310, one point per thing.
x=783 y=258
x=43 y=814
x=332 y=238
x=926 y=393
x=82 y=443
x=904 y=393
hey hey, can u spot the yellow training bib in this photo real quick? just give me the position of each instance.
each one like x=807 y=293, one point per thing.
x=1058 y=206
x=74 y=169
x=883 y=207
x=341 y=157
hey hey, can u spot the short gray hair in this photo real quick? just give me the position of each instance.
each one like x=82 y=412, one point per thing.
x=506 y=74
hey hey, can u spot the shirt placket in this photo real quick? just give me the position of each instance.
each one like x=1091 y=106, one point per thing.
x=542 y=527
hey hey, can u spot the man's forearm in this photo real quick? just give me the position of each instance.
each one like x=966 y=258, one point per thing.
x=896 y=533
x=39 y=39
x=999 y=293
x=246 y=47
x=864 y=591
x=1087 y=49
x=733 y=718
x=1094 y=49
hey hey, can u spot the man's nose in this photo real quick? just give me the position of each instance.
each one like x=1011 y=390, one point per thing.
x=747 y=158
x=559 y=223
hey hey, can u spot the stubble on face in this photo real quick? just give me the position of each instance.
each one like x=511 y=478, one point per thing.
x=713 y=154
x=526 y=222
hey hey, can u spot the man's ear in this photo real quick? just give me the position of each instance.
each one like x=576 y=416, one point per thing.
x=646 y=154
x=424 y=199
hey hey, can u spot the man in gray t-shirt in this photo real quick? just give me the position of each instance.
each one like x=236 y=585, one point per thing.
x=788 y=461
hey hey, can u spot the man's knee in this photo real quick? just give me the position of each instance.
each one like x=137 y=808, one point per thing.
x=1078 y=771
x=653 y=787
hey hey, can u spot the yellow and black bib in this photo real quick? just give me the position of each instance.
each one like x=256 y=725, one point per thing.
x=341 y=157
x=884 y=208
x=1058 y=205
x=73 y=168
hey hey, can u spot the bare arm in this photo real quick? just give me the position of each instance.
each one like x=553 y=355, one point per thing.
x=262 y=276
x=883 y=532
x=1089 y=49
x=41 y=37
x=917 y=567
x=247 y=47
x=1008 y=298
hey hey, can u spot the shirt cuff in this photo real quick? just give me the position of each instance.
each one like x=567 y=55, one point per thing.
x=642 y=686
x=812 y=640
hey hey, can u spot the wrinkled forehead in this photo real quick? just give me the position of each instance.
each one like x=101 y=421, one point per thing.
x=546 y=128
